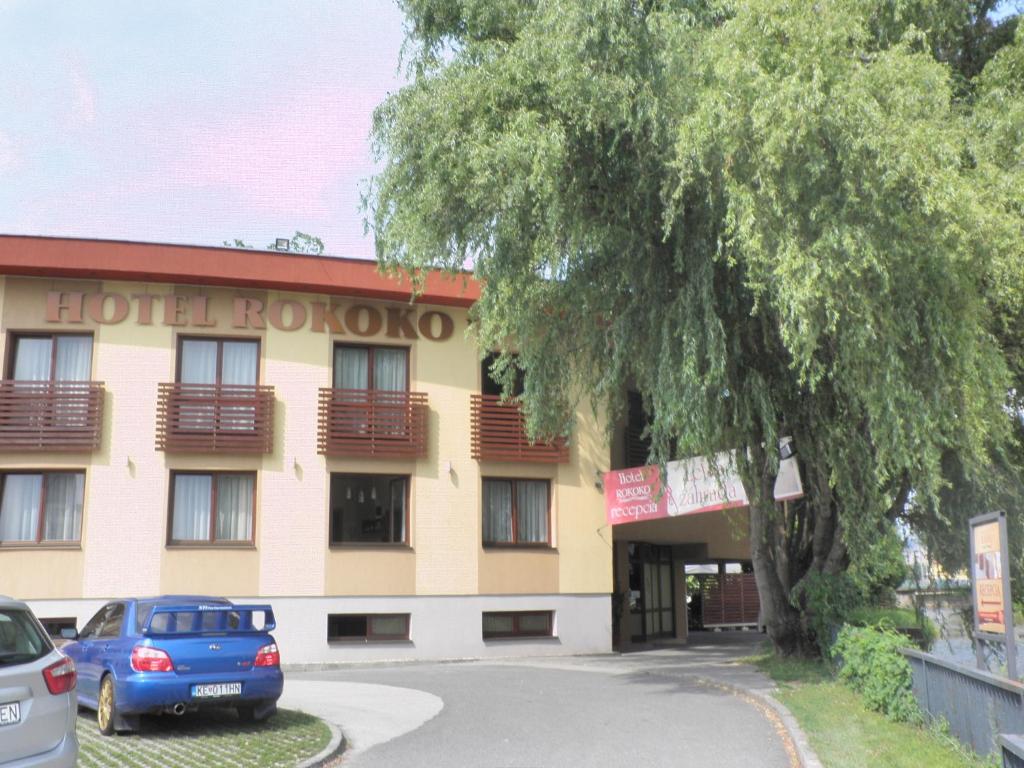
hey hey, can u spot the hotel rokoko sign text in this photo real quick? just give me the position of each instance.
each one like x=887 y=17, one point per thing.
x=362 y=320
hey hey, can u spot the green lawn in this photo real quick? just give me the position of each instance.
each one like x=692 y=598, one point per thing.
x=211 y=739
x=845 y=734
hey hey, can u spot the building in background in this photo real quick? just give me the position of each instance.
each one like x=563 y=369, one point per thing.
x=291 y=429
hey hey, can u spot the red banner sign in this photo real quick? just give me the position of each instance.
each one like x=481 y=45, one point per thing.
x=631 y=495
x=688 y=487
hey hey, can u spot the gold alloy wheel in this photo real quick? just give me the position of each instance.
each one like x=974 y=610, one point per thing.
x=105 y=707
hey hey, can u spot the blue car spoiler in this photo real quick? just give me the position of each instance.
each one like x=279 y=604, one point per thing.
x=244 y=613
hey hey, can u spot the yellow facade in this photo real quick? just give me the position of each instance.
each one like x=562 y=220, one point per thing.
x=441 y=575
x=126 y=504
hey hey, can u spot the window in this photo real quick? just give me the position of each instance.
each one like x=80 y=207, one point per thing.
x=54 y=627
x=508 y=624
x=367 y=627
x=106 y=623
x=92 y=627
x=21 y=642
x=379 y=368
x=515 y=511
x=52 y=358
x=488 y=384
x=212 y=508
x=41 y=507
x=218 y=366
x=369 y=509
x=113 y=621
x=218 y=361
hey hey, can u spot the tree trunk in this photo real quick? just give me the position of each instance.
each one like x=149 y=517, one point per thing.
x=784 y=548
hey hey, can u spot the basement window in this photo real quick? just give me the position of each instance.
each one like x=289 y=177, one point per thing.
x=367 y=627
x=500 y=625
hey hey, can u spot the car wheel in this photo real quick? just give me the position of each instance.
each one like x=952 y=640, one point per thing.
x=105 y=706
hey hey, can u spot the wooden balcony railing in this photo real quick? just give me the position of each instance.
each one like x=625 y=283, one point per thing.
x=372 y=423
x=498 y=433
x=50 y=415
x=215 y=418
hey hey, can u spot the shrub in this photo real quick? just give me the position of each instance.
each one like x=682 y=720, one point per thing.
x=872 y=665
x=900 y=619
x=826 y=599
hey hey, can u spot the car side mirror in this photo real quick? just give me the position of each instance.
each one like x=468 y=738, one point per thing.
x=69 y=634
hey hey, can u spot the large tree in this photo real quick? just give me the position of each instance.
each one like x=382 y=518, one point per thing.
x=764 y=216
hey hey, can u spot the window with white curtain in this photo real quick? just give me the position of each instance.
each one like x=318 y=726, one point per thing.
x=515 y=511
x=52 y=358
x=381 y=368
x=358 y=371
x=213 y=507
x=41 y=507
x=218 y=362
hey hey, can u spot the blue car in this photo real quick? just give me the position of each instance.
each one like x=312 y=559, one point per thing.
x=175 y=654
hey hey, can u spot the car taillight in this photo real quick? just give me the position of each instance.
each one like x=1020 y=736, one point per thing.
x=60 y=676
x=268 y=656
x=147 y=659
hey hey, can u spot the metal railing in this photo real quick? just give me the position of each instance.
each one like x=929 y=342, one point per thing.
x=372 y=423
x=51 y=415
x=1013 y=751
x=978 y=706
x=498 y=433
x=215 y=418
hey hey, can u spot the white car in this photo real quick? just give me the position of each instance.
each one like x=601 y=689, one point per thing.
x=38 y=706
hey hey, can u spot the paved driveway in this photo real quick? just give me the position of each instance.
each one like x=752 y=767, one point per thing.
x=675 y=707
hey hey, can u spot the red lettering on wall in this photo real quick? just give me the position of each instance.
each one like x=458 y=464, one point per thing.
x=444 y=332
x=399 y=324
x=247 y=314
x=175 y=310
x=58 y=302
x=200 y=304
x=373 y=320
x=96 y=303
x=324 y=316
x=276 y=315
x=145 y=302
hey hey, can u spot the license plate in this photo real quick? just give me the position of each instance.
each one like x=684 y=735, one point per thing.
x=10 y=714
x=213 y=690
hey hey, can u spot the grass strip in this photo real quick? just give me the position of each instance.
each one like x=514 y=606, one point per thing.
x=845 y=734
x=213 y=739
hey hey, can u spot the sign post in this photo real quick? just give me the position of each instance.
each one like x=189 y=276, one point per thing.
x=990 y=588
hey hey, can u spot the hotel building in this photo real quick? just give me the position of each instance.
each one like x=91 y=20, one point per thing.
x=291 y=429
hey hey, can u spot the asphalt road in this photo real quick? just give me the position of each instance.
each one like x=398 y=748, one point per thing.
x=674 y=707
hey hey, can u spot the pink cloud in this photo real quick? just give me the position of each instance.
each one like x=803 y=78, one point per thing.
x=281 y=158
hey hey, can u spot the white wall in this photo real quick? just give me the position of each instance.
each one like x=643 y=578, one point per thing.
x=441 y=627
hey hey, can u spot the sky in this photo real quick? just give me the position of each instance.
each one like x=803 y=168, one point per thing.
x=188 y=121
x=194 y=121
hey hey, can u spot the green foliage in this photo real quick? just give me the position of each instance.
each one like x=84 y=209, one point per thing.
x=897 y=619
x=300 y=242
x=826 y=601
x=872 y=665
x=880 y=567
x=767 y=217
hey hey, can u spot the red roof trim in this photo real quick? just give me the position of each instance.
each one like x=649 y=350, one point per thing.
x=233 y=267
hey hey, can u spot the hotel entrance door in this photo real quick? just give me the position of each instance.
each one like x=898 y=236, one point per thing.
x=651 y=607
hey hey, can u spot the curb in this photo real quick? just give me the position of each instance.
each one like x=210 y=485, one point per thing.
x=796 y=742
x=335 y=747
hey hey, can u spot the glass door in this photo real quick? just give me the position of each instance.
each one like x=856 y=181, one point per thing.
x=651 y=604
